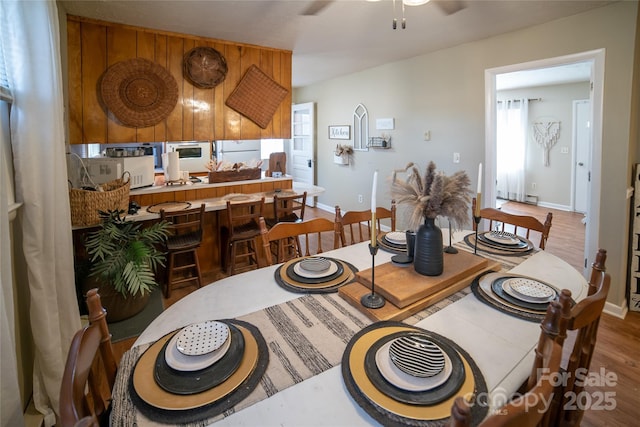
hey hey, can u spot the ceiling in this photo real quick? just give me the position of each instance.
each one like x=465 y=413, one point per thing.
x=336 y=37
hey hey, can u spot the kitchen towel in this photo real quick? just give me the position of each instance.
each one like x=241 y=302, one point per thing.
x=171 y=166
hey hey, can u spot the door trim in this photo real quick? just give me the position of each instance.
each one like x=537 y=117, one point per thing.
x=597 y=59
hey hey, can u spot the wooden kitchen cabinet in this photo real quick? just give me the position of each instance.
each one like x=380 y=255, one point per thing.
x=200 y=114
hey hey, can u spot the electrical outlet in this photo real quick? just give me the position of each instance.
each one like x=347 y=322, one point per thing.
x=427 y=135
x=456 y=157
x=534 y=185
x=360 y=198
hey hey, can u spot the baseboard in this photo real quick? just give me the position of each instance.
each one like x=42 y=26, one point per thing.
x=326 y=207
x=333 y=209
x=554 y=206
x=615 y=310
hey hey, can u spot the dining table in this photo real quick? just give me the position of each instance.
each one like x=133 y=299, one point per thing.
x=313 y=392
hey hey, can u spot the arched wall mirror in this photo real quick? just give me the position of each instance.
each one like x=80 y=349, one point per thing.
x=360 y=128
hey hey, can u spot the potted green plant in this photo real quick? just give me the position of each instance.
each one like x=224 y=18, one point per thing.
x=124 y=257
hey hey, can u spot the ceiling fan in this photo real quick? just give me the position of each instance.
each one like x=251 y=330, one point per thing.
x=448 y=7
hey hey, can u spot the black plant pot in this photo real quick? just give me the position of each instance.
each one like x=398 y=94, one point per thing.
x=428 y=258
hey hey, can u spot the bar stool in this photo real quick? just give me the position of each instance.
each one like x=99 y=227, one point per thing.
x=182 y=246
x=240 y=233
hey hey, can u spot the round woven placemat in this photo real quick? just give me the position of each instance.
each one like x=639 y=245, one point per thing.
x=138 y=92
x=204 y=66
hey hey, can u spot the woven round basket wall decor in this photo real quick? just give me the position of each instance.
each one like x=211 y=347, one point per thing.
x=138 y=92
x=205 y=67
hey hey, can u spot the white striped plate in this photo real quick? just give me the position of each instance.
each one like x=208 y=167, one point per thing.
x=416 y=355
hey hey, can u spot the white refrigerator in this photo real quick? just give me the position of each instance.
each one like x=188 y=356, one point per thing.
x=237 y=151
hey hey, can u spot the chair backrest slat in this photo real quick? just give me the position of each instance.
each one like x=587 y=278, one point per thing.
x=357 y=219
x=287 y=230
x=526 y=222
x=90 y=364
x=582 y=320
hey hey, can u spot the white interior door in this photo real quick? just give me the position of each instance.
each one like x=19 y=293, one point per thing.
x=303 y=146
x=582 y=149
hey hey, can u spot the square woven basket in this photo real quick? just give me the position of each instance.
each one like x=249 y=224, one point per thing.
x=85 y=204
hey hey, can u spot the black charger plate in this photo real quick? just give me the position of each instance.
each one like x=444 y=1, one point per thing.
x=192 y=382
x=428 y=397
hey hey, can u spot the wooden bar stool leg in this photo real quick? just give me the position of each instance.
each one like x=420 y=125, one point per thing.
x=167 y=287
x=198 y=272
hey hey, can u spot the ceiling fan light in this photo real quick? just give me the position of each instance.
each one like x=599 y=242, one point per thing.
x=415 y=2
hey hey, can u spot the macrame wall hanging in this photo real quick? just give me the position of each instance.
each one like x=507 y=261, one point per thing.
x=546 y=134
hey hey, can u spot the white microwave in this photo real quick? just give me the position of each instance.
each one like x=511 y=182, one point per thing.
x=105 y=169
x=193 y=155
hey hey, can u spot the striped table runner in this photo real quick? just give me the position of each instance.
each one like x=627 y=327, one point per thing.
x=305 y=336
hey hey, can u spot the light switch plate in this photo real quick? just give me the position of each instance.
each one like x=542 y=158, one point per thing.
x=384 y=124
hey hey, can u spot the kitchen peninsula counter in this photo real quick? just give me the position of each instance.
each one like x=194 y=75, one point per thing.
x=200 y=191
x=215 y=197
x=220 y=202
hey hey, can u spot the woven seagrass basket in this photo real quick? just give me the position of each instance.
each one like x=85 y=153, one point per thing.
x=85 y=204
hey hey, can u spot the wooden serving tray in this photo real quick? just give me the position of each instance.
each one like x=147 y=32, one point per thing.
x=402 y=286
x=354 y=291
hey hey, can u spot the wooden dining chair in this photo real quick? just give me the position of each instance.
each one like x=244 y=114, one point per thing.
x=182 y=247
x=287 y=209
x=582 y=322
x=89 y=372
x=240 y=234
x=311 y=230
x=528 y=409
x=524 y=222
x=355 y=221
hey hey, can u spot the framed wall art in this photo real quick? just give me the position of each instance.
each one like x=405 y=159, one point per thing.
x=340 y=132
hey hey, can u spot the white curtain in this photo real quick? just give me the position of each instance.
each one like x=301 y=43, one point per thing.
x=10 y=404
x=37 y=134
x=512 y=123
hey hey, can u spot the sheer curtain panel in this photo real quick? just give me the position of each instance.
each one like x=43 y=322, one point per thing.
x=31 y=45
x=512 y=123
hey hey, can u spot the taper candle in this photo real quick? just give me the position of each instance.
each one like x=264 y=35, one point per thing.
x=479 y=191
x=373 y=209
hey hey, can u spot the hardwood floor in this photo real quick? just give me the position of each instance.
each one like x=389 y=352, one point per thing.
x=618 y=342
x=566 y=237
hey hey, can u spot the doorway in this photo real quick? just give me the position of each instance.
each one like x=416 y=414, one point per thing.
x=302 y=161
x=595 y=59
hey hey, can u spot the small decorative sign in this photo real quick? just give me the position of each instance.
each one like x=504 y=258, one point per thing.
x=340 y=132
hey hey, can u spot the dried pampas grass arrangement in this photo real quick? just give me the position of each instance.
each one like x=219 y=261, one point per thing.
x=432 y=195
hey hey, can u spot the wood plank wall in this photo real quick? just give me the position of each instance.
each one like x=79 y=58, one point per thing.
x=200 y=114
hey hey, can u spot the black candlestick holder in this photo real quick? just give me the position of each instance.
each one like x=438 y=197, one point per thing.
x=450 y=249
x=476 y=219
x=372 y=300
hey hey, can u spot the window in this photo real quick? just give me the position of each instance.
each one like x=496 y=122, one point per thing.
x=268 y=146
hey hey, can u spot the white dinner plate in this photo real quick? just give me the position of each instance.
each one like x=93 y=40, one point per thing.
x=404 y=381
x=181 y=362
x=315 y=274
x=528 y=290
x=201 y=338
x=502 y=237
x=396 y=237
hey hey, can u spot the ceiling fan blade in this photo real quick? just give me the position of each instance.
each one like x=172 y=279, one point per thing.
x=449 y=7
x=316 y=7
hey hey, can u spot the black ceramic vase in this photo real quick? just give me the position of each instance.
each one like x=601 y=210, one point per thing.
x=428 y=258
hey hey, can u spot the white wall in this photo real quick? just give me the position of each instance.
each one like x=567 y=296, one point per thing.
x=444 y=92
x=553 y=182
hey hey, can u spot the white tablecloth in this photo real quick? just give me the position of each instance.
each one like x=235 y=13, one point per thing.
x=501 y=345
